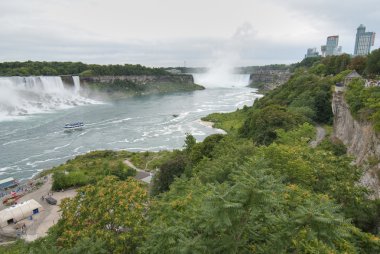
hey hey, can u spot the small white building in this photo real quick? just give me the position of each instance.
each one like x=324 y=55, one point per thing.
x=19 y=212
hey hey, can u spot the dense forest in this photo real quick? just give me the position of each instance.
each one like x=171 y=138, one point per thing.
x=261 y=188
x=368 y=66
x=74 y=68
x=252 y=69
x=364 y=102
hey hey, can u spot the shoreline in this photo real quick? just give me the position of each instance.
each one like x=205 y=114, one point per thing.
x=50 y=215
x=42 y=173
x=207 y=123
x=210 y=124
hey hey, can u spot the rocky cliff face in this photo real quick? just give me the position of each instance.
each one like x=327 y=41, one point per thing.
x=141 y=80
x=67 y=80
x=360 y=139
x=125 y=86
x=268 y=79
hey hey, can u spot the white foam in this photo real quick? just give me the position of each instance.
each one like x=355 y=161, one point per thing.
x=36 y=163
x=217 y=78
x=8 y=168
x=153 y=148
x=77 y=149
x=22 y=96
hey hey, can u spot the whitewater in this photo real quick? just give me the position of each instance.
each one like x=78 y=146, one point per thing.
x=23 y=96
x=34 y=139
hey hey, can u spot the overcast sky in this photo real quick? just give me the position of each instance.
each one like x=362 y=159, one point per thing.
x=170 y=32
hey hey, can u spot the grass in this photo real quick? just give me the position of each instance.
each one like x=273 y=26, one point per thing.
x=90 y=168
x=229 y=122
x=94 y=166
x=148 y=161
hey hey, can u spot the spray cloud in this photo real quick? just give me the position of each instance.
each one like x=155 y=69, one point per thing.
x=221 y=72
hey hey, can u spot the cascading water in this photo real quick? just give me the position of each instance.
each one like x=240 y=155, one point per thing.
x=221 y=75
x=221 y=79
x=76 y=84
x=30 y=95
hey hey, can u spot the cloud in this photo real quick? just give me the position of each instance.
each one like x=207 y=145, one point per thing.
x=337 y=17
x=169 y=32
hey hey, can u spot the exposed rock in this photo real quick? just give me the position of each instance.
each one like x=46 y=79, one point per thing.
x=269 y=79
x=67 y=80
x=121 y=86
x=141 y=79
x=361 y=141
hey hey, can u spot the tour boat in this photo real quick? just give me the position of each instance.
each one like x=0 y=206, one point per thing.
x=73 y=126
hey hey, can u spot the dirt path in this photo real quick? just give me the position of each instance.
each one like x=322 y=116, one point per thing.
x=142 y=175
x=320 y=135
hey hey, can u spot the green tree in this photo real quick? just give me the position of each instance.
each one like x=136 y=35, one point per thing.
x=190 y=142
x=111 y=211
x=322 y=106
x=253 y=213
x=373 y=63
x=169 y=170
x=262 y=124
x=319 y=69
x=358 y=64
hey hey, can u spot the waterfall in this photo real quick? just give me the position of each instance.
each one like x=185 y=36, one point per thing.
x=30 y=95
x=76 y=84
x=215 y=79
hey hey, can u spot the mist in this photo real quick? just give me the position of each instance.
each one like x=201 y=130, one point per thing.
x=221 y=71
x=23 y=96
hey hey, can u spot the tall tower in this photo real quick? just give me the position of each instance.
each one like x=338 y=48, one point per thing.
x=331 y=48
x=364 y=41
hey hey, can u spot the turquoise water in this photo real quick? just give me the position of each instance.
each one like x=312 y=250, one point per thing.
x=37 y=142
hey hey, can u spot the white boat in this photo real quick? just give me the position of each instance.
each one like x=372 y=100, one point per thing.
x=74 y=126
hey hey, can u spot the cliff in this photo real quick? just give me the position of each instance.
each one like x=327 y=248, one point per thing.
x=361 y=141
x=268 y=79
x=140 y=84
x=141 y=79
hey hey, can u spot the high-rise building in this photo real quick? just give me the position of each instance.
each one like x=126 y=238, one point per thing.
x=364 y=41
x=311 y=52
x=331 y=48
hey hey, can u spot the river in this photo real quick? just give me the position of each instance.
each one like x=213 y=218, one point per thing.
x=145 y=123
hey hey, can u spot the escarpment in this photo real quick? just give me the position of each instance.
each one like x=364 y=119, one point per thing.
x=361 y=140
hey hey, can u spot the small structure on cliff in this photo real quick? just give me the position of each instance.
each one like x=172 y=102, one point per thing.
x=341 y=87
x=353 y=75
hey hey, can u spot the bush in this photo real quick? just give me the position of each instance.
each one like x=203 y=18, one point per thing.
x=373 y=63
x=169 y=170
x=262 y=124
x=334 y=145
x=89 y=168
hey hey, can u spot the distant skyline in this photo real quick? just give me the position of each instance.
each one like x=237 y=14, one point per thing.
x=169 y=32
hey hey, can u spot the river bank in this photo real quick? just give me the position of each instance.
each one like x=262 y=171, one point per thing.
x=144 y=123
